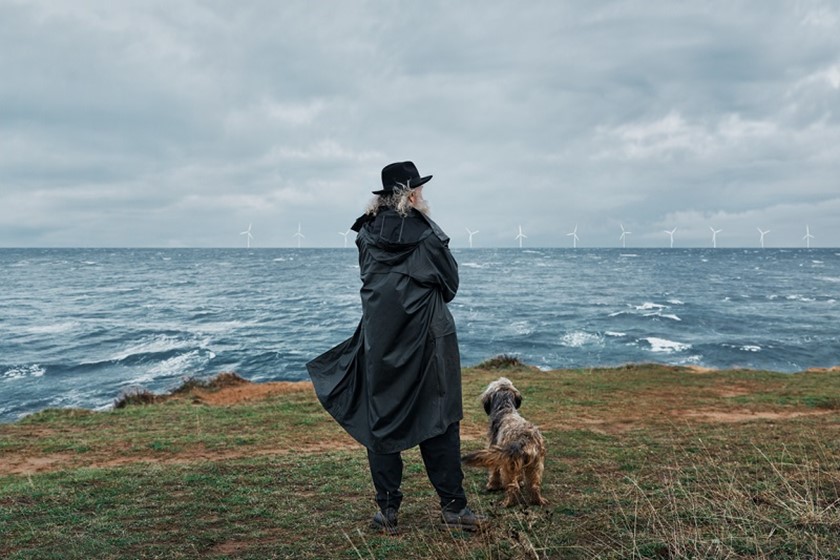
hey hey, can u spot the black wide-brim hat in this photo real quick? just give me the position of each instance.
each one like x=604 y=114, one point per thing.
x=402 y=175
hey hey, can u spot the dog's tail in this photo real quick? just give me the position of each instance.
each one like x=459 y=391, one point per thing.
x=494 y=456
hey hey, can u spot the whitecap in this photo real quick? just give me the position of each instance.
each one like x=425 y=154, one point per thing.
x=615 y=334
x=158 y=344
x=521 y=327
x=579 y=338
x=750 y=348
x=649 y=305
x=665 y=346
x=472 y=265
x=669 y=316
x=676 y=302
x=182 y=364
x=54 y=328
x=628 y=255
x=21 y=372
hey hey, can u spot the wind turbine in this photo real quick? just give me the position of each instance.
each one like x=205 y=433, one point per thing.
x=623 y=236
x=575 y=238
x=345 y=234
x=671 y=233
x=763 y=233
x=299 y=235
x=714 y=236
x=471 y=233
x=521 y=236
x=248 y=236
x=808 y=237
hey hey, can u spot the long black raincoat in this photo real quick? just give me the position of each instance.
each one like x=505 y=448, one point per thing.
x=397 y=380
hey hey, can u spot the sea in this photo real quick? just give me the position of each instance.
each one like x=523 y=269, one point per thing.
x=79 y=327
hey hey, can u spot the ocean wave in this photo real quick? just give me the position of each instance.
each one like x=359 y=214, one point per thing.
x=54 y=328
x=664 y=316
x=665 y=346
x=579 y=338
x=798 y=297
x=521 y=328
x=21 y=372
x=182 y=365
x=158 y=344
x=650 y=305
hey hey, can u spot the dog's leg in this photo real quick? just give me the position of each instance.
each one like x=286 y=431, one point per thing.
x=511 y=475
x=494 y=480
x=533 y=482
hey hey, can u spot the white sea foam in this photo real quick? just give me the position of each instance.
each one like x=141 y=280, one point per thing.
x=649 y=305
x=751 y=348
x=798 y=297
x=472 y=265
x=663 y=345
x=22 y=372
x=521 y=327
x=578 y=339
x=668 y=316
x=155 y=345
x=55 y=328
x=615 y=334
x=676 y=302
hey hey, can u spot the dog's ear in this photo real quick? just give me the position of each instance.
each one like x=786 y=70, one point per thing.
x=487 y=401
x=517 y=399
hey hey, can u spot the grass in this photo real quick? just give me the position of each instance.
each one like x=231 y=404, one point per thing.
x=644 y=461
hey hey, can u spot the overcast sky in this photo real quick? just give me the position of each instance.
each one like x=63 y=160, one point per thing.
x=178 y=124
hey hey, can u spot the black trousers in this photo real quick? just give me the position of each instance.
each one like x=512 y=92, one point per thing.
x=442 y=458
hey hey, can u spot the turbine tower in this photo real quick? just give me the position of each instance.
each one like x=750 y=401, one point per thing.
x=623 y=236
x=671 y=233
x=575 y=238
x=345 y=234
x=248 y=236
x=521 y=236
x=808 y=237
x=714 y=236
x=299 y=235
x=471 y=233
x=763 y=233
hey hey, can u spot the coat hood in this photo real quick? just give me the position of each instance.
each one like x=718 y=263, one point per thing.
x=391 y=238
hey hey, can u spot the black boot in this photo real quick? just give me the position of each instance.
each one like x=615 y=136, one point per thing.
x=385 y=521
x=466 y=520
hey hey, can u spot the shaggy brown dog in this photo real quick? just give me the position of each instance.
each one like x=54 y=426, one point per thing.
x=516 y=454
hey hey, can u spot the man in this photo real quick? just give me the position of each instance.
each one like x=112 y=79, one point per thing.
x=396 y=382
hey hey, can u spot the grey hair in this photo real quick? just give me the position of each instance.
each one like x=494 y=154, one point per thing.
x=397 y=200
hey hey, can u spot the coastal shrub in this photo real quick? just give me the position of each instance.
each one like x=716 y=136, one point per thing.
x=502 y=361
x=221 y=381
x=136 y=396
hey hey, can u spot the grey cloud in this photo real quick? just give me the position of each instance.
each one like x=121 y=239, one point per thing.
x=185 y=122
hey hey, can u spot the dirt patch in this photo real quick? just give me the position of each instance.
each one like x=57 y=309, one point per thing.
x=699 y=369
x=735 y=416
x=833 y=369
x=24 y=464
x=250 y=392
